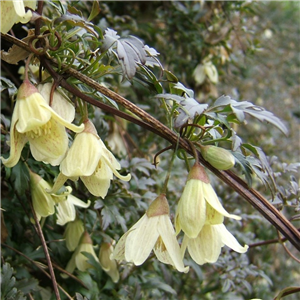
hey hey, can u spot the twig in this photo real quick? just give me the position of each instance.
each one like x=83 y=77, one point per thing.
x=50 y=267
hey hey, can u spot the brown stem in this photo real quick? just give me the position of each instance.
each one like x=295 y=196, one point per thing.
x=42 y=238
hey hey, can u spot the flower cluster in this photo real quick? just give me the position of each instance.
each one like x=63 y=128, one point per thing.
x=199 y=215
x=42 y=122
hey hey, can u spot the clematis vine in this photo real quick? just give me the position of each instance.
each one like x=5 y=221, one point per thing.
x=13 y=11
x=89 y=159
x=35 y=121
x=154 y=231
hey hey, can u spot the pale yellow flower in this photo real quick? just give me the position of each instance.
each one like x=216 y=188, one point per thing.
x=154 y=231
x=78 y=260
x=89 y=159
x=35 y=121
x=206 y=247
x=72 y=234
x=42 y=201
x=108 y=265
x=13 y=11
x=45 y=203
x=199 y=204
x=66 y=209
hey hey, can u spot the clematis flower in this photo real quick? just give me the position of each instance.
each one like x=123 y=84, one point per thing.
x=44 y=203
x=153 y=231
x=206 y=247
x=78 y=260
x=198 y=204
x=35 y=121
x=73 y=232
x=89 y=159
x=66 y=209
x=13 y=11
x=108 y=265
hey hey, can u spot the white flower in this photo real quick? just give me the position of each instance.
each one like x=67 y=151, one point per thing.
x=199 y=204
x=153 y=231
x=89 y=159
x=13 y=11
x=206 y=247
x=35 y=121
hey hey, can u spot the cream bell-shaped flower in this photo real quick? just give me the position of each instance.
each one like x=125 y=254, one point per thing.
x=78 y=260
x=13 y=11
x=89 y=159
x=198 y=204
x=72 y=234
x=35 y=121
x=206 y=247
x=43 y=202
x=66 y=209
x=108 y=265
x=153 y=231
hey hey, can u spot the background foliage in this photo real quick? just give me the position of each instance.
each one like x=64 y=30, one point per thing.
x=253 y=47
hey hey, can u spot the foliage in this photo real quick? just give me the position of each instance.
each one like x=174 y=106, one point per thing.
x=189 y=65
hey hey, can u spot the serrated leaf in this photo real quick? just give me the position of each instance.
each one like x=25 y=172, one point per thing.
x=241 y=108
x=76 y=20
x=8 y=282
x=245 y=165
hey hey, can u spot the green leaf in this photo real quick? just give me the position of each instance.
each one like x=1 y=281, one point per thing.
x=95 y=11
x=20 y=177
x=8 y=282
x=240 y=108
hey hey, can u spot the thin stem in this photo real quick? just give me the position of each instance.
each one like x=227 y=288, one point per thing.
x=165 y=185
x=42 y=238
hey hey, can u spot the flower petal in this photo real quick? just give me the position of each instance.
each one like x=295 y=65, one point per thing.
x=213 y=217
x=141 y=240
x=65 y=212
x=111 y=161
x=32 y=111
x=50 y=146
x=59 y=104
x=75 y=201
x=171 y=254
x=206 y=247
x=83 y=156
x=229 y=240
x=212 y=198
x=98 y=183
x=17 y=143
x=192 y=208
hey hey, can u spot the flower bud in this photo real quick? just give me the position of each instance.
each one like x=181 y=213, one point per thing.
x=219 y=158
x=73 y=233
x=108 y=265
